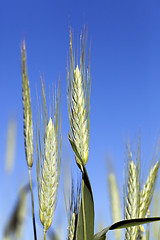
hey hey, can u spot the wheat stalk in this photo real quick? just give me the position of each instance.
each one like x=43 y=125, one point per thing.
x=79 y=101
x=27 y=125
x=48 y=163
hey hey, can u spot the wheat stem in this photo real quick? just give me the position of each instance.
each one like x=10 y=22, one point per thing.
x=33 y=216
x=44 y=235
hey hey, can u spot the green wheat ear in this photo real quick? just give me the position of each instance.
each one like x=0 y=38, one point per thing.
x=132 y=199
x=79 y=100
x=48 y=143
x=27 y=113
x=115 y=201
x=28 y=125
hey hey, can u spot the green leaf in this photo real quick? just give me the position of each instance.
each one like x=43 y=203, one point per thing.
x=125 y=224
x=85 y=227
x=80 y=224
x=85 y=224
x=103 y=237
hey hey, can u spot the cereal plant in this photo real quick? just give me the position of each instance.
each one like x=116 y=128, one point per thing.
x=48 y=162
x=28 y=125
x=137 y=198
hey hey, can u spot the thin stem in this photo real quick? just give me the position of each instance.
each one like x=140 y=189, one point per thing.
x=33 y=217
x=83 y=210
x=44 y=234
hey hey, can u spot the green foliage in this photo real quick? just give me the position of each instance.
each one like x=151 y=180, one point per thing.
x=125 y=224
x=85 y=227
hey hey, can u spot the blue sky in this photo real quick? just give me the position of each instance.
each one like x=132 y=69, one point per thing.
x=125 y=71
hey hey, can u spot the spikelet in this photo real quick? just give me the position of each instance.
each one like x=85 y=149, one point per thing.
x=27 y=113
x=48 y=163
x=79 y=101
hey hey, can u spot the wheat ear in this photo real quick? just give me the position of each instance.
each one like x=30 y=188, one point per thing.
x=148 y=190
x=27 y=125
x=115 y=202
x=79 y=101
x=48 y=165
x=138 y=198
x=146 y=194
x=131 y=191
x=73 y=211
x=27 y=113
x=131 y=210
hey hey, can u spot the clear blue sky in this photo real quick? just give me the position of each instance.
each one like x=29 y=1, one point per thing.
x=125 y=70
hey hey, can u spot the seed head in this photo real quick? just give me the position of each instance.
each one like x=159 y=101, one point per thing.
x=48 y=143
x=79 y=102
x=27 y=113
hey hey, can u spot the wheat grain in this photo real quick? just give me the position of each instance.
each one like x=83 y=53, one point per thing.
x=79 y=101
